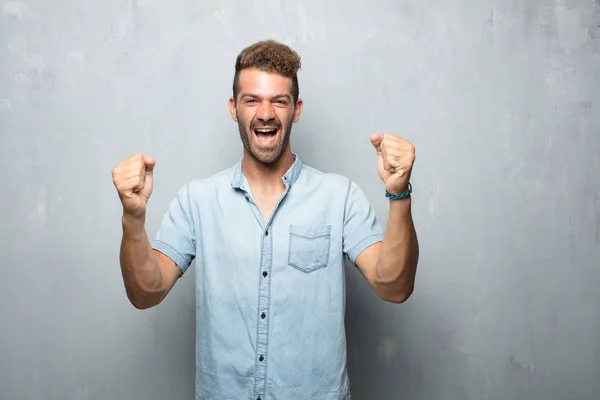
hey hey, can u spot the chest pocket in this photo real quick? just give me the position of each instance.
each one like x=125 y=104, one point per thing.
x=309 y=247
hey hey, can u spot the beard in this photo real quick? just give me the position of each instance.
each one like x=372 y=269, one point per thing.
x=264 y=154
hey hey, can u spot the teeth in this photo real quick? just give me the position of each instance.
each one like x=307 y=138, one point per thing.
x=265 y=130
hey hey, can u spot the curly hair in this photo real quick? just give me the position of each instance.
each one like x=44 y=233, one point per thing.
x=269 y=56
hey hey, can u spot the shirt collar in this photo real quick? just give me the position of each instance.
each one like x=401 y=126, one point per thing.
x=289 y=178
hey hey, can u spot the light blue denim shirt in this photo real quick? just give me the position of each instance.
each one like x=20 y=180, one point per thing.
x=270 y=295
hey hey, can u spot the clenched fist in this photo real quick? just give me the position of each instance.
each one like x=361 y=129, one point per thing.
x=133 y=179
x=395 y=159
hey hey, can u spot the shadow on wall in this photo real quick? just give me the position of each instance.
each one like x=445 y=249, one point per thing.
x=379 y=361
x=406 y=351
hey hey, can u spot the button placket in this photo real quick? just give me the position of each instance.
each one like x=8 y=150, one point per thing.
x=263 y=309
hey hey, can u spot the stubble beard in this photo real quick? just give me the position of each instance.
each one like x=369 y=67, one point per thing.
x=261 y=155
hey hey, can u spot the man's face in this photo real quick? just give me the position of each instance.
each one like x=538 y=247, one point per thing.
x=265 y=112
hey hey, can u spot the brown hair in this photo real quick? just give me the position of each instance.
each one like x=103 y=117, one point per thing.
x=269 y=56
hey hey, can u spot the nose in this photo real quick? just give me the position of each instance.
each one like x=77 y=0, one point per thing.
x=266 y=112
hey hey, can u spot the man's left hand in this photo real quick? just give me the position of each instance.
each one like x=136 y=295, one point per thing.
x=395 y=158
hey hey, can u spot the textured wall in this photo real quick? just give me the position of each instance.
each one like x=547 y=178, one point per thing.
x=501 y=99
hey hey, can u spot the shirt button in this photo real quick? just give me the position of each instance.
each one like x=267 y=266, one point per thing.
x=263 y=315
x=258 y=398
x=266 y=233
x=265 y=274
x=261 y=358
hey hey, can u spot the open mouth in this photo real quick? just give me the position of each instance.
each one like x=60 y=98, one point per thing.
x=266 y=136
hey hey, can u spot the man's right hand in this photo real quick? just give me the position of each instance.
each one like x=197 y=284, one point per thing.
x=133 y=179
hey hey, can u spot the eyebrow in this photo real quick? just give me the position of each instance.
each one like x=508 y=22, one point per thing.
x=287 y=96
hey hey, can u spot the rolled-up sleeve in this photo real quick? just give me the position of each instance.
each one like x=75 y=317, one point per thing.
x=176 y=236
x=361 y=226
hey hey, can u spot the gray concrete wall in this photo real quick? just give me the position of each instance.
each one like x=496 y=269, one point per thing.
x=501 y=99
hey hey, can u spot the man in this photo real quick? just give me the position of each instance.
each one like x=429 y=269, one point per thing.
x=269 y=236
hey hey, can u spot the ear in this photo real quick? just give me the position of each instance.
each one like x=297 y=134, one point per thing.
x=298 y=110
x=232 y=110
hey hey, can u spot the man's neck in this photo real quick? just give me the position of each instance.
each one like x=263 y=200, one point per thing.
x=266 y=178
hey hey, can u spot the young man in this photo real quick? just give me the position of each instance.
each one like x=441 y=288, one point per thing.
x=269 y=236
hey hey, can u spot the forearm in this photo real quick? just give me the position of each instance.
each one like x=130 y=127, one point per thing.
x=399 y=254
x=140 y=268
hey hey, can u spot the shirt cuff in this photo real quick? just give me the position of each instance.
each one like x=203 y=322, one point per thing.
x=363 y=244
x=172 y=253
